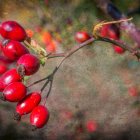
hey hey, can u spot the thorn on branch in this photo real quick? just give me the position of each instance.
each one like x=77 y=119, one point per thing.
x=98 y=26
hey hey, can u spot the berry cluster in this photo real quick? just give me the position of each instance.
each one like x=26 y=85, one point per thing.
x=11 y=81
x=112 y=31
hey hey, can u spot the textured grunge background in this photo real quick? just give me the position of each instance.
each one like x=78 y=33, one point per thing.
x=91 y=86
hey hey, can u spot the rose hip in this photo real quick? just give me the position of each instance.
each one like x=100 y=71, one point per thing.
x=39 y=116
x=30 y=63
x=110 y=31
x=26 y=105
x=118 y=49
x=82 y=36
x=9 y=77
x=91 y=126
x=13 y=49
x=12 y=30
x=14 y=92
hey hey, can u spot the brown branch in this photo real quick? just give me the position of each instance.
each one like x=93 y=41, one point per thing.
x=50 y=77
x=65 y=55
x=78 y=47
x=115 y=42
x=73 y=50
x=56 y=55
x=122 y=45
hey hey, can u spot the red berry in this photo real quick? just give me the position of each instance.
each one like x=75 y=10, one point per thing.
x=114 y=32
x=12 y=30
x=5 y=59
x=91 y=126
x=13 y=49
x=82 y=36
x=3 y=67
x=39 y=116
x=9 y=77
x=133 y=91
x=51 y=47
x=14 y=92
x=118 y=49
x=30 y=62
x=104 y=31
x=110 y=31
x=26 y=105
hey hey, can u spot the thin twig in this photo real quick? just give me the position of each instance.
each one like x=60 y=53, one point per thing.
x=75 y=49
x=122 y=45
x=56 y=55
x=46 y=83
x=36 y=82
x=49 y=78
x=49 y=91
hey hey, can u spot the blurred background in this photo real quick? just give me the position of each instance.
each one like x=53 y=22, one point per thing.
x=95 y=93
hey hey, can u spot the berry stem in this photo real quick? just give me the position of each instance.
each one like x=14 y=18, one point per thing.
x=41 y=52
x=38 y=81
x=49 y=91
x=49 y=80
x=56 y=55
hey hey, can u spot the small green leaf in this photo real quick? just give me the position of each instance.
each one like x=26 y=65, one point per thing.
x=25 y=79
x=42 y=62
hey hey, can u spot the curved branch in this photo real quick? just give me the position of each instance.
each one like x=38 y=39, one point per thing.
x=50 y=77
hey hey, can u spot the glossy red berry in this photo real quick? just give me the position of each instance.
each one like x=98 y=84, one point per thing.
x=82 y=36
x=118 y=49
x=30 y=62
x=26 y=105
x=3 y=67
x=9 y=77
x=14 y=92
x=39 y=116
x=12 y=30
x=13 y=49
